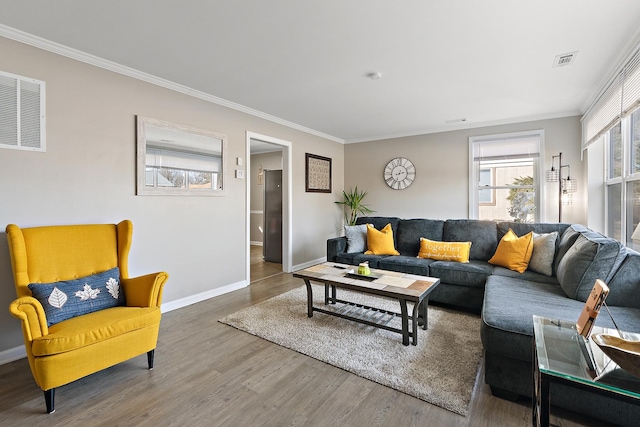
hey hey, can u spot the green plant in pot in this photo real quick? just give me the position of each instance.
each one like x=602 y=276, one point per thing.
x=352 y=201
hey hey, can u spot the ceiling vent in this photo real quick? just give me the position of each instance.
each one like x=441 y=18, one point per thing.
x=564 y=59
x=454 y=121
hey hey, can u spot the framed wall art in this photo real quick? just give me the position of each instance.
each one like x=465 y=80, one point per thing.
x=317 y=174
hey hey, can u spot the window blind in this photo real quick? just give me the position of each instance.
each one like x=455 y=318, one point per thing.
x=507 y=149
x=162 y=157
x=604 y=114
x=619 y=99
x=631 y=88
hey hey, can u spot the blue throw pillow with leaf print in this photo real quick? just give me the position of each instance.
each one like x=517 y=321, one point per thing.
x=70 y=298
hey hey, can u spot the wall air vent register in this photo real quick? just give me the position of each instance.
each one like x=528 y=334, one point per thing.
x=22 y=113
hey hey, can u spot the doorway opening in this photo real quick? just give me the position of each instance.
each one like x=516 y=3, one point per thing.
x=268 y=228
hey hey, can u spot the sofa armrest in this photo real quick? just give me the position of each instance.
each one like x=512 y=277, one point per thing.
x=335 y=246
x=144 y=291
x=34 y=320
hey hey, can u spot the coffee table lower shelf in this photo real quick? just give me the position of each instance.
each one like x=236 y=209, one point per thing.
x=418 y=317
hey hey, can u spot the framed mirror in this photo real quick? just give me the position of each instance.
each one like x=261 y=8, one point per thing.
x=181 y=160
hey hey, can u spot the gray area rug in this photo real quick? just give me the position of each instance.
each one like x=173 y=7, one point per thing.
x=440 y=370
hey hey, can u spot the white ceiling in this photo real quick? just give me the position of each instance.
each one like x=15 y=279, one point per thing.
x=306 y=62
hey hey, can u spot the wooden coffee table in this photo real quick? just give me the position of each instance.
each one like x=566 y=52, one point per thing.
x=399 y=286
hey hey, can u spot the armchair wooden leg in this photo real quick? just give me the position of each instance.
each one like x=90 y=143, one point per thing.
x=150 y=355
x=49 y=396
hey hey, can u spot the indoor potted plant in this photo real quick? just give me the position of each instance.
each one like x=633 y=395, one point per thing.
x=353 y=205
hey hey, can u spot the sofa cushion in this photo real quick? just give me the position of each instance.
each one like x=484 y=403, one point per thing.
x=380 y=242
x=406 y=264
x=71 y=298
x=592 y=256
x=522 y=228
x=544 y=251
x=411 y=230
x=356 y=258
x=356 y=238
x=483 y=234
x=444 y=251
x=474 y=273
x=514 y=252
x=567 y=239
x=529 y=275
x=508 y=309
x=94 y=327
x=624 y=286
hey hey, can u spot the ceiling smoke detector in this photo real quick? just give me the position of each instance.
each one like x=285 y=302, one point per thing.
x=564 y=59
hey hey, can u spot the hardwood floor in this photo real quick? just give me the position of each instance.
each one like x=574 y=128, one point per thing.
x=261 y=269
x=210 y=374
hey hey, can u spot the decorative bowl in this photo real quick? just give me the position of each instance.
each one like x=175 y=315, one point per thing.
x=625 y=353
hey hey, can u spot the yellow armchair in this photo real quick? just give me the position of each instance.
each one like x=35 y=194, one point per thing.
x=76 y=347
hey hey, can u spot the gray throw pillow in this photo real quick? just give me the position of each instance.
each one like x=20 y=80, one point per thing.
x=356 y=238
x=544 y=249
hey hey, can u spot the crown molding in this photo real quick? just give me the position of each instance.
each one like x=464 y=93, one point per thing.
x=467 y=125
x=39 y=42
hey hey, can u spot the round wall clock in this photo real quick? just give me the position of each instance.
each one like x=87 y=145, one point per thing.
x=399 y=173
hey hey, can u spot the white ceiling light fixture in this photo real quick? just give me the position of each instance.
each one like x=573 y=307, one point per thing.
x=375 y=76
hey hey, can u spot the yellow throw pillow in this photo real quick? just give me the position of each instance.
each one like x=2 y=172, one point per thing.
x=380 y=242
x=444 y=251
x=514 y=252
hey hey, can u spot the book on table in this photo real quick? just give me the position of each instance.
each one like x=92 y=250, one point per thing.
x=591 y=308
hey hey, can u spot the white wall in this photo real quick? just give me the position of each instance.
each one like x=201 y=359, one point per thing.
x=87 y=175
x=594 y=156
x=441 y=187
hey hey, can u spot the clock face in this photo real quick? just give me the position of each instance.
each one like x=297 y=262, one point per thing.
x=399 y=173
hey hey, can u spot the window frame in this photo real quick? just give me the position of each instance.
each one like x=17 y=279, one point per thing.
x=473 y=189
x=190 y=140
x=626 y=177
x=492 y=181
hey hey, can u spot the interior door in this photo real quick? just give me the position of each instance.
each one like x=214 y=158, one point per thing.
x=272 y=245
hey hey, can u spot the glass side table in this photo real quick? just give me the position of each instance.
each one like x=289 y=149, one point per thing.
x=561 y=355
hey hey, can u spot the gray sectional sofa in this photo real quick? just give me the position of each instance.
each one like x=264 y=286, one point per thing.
x=507 y=300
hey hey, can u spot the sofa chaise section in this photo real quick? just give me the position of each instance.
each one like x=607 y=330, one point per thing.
x=510 y=303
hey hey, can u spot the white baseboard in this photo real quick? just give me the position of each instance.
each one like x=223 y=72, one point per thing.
x=309 y=263
x=12 y=354
x=252 y=243
x=192 y=299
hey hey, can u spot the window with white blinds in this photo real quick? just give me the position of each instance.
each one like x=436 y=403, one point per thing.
x=504 y=174
x=22 y=118
x=619 y=99
x=179 y=160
